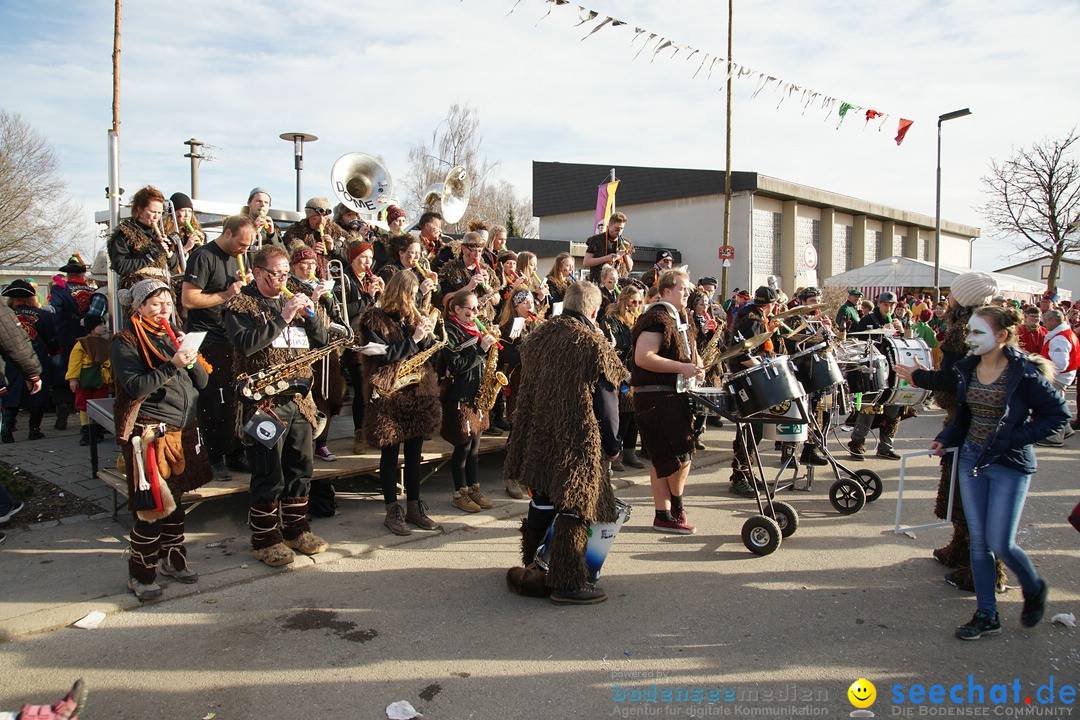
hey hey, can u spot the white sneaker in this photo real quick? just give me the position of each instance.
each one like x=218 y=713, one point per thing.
x=20 y=506
x=144 y=591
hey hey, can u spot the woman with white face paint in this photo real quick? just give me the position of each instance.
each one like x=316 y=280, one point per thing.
x=1005 y=403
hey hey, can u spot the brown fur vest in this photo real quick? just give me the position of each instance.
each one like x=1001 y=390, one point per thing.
x=671 y=345
x=555 y=447
x=411 y=412
x=301 y=235
x=245 y=304
x=140 y=243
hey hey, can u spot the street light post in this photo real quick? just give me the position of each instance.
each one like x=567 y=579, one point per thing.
x=298 y=139
x=937 y=205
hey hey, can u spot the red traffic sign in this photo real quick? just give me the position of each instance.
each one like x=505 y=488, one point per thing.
x=810 y=257
x=727 y=252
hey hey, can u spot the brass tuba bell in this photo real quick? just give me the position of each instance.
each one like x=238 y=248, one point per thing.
x=361 y=182
x=450 y=197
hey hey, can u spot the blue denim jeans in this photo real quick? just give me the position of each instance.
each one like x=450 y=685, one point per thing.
x=993 y=501
x=7 y=502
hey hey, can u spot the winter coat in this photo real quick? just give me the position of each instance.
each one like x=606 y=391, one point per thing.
x=1034 y=410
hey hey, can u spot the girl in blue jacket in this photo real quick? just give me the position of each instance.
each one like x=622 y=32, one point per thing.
x=1005 y=403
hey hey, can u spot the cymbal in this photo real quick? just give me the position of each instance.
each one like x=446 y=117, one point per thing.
x=745 y=346
x=799 y=310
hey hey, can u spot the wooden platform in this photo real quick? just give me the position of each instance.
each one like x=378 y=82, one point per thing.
x=348 y=466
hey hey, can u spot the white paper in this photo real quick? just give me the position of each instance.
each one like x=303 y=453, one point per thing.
x=90 y=620
x=1066 y=619
x=373 y=348
x=192 y=341
x=328 y=285
x=515 y=328
x=402 y=710
x=556 y=309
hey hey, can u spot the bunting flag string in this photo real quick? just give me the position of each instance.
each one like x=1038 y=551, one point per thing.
x=787 y=89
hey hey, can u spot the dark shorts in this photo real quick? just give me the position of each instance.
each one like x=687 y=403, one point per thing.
x=664 y=422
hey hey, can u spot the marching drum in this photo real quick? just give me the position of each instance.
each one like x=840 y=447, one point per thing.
x=866 y=370
x=601 y=536
x=816 y=368
x=794 y=431
x=712 y=400
x=905 y=351
x=756 y=389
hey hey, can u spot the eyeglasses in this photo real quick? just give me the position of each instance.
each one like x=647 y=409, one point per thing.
x=473 y=247
x=319 y=211
x=471 y=308
x=276 y=275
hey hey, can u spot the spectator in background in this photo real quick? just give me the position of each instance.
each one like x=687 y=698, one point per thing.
x=1031 y=333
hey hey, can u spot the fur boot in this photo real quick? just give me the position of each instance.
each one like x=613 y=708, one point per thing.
x=567 y=570
x=145 y=545
x=296 y=529
x=527 y=582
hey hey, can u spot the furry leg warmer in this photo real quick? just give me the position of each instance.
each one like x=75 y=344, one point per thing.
x=172 y=539
x=567 y=570
x=263 y=521
x=294 y=517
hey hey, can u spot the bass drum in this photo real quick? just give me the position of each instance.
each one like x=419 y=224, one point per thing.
x=756 y=389
x=905 y=351
x=817 y=369
x=794 y=431
x=601 y=537
x=866 y=371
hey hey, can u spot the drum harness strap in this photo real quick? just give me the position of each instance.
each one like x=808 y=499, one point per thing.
x=681 y=326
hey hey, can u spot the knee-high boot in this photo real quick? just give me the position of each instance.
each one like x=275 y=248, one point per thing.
x=296 y=529
x=173 y=553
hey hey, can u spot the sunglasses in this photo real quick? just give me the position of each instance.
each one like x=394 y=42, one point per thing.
x=319 y=211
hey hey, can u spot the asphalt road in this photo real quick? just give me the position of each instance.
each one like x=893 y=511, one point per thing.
x=698 y=619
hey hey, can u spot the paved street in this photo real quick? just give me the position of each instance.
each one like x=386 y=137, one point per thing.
x=428 y=619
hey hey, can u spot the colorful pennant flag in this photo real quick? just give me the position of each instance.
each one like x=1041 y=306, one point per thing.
x=902 y=129
x=605 y=203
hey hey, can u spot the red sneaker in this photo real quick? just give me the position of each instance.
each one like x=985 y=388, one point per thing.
x=677 y=527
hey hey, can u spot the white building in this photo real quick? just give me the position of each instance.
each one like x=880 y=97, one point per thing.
x=1038 y=269
x=773 y=223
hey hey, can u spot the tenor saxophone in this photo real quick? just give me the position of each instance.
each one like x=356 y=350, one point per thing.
x=491 y=381
x=286 y=377
x=411 y=369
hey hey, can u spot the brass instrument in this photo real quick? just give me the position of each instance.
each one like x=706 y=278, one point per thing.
x=491 y=381
x=283 y=378
x=450 y=197
x=363 y=184
x=426 y=275
x=411 y=369
x=710 y=354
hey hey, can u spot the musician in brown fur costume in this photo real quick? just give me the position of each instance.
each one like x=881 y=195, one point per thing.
x=469 y=272
x=137 y=249
x=968 y=291
x=398 y=418
x=157 y=386
x=318 y=232
x=327 y=371
x=664 y=350
x=565 y=430
x=268 y=330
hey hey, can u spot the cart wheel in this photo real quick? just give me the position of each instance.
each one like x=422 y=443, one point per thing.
x=847 y=496
x=761 y=535
x=871 y=482
x=785 y=516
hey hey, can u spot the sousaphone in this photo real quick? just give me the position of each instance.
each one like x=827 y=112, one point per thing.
x=450 y=197
x=361 y=183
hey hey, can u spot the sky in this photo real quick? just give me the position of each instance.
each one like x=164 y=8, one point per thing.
x=378 y=77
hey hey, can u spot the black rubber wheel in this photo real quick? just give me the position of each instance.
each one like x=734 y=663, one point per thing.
x=785 y=516
x=871 y=483
x=847 y=496
x=761 y=535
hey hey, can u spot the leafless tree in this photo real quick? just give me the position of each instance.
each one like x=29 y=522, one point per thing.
x=1035 y=200
x=457 y=141
x=38 y=223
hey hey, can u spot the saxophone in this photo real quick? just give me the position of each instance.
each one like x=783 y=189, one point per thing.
x=710 y=354
x=284 y=378
x=492 y=380
x=411 y=369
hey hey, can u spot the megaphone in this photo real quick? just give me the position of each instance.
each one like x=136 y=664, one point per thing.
x=361 y=183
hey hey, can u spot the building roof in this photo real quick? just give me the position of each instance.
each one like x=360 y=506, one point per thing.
x=560 y=188
x=1039 y=259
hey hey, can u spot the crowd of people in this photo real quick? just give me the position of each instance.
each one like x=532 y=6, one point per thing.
x=232 y=354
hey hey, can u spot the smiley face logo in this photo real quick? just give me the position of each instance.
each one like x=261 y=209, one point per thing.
x=862 y=693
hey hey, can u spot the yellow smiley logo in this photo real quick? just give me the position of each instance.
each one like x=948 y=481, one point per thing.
x=862 y=693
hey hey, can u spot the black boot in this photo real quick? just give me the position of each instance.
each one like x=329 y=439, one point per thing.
x=6 y=434
x=84 y=435
x=62 y=412
x=811 y=455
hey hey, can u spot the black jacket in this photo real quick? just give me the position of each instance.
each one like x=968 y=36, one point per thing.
x=169 y=394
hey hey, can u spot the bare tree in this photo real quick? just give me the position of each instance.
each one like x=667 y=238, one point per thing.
x=37 y=222
x=1035 y=200
x=457 y=141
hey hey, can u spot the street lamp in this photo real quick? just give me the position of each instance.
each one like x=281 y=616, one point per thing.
x=298 y=139
x=937 y=215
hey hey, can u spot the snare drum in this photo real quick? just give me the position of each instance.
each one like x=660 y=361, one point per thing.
x=866 y=371
x=601 y=536
x=905 y=351
x=756 y=389
x=713 y=400
x=817 y=369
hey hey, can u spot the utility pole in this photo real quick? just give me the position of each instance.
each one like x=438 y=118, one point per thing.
x=727 y=163
x=193 y=153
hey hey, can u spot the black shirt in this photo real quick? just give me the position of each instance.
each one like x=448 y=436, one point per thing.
x=213 y=270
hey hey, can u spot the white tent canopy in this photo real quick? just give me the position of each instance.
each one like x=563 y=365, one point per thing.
x=901 y=272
